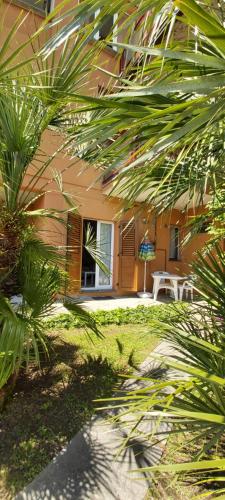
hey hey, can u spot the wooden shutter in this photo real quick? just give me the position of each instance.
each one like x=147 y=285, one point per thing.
x=127 y=239
x=74 y=247
x=128 y=266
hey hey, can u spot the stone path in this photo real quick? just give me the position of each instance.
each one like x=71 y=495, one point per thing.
x=89 y=468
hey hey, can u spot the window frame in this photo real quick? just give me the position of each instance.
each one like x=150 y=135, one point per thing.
x=115 y=37
x=25 y=4
x=177 y=256
x=97 y=269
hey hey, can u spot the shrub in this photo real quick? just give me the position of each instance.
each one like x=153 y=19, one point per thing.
x=138 y=315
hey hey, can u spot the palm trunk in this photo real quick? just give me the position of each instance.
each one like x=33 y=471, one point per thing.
x=7 y=390
x=11 y=236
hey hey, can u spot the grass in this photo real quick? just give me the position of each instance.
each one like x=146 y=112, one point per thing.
x=171 y=486
x=123 y=346
x=187 y=486
x=50 y=405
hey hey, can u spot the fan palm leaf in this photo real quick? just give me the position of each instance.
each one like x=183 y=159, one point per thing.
x=35 y=95
x=190 y=398
x=168 y=104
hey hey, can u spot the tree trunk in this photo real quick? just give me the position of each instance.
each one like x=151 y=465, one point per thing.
x=7 y=390
x=12 y=226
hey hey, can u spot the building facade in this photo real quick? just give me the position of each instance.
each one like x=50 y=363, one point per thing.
x=118 y=239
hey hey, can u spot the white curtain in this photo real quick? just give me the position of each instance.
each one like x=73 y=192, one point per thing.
x=105 y=247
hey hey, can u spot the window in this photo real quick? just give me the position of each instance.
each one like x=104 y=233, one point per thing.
x=40 y=6
x=174 y=252
x=204 y=227
x=108 y=26
x=48 y=5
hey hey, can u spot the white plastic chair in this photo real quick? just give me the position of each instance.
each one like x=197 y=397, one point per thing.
x=188 y=288
x=161 y=284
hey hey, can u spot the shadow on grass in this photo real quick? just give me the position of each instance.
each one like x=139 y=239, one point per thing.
x=48 y=408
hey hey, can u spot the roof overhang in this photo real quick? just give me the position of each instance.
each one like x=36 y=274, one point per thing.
x=116 y=190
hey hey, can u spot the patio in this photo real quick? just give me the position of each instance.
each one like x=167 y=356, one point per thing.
x=110 y=303
x=91 y=304
x=169 y=282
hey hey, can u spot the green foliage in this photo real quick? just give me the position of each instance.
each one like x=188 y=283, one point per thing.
x=216 y=215
x=209 y=269
x=191 y=399
x=211 y=220
x=139 y=315
x=64 y=390
x=23 y=327
x=33 y=98
x=22 y=334
x=168 y=108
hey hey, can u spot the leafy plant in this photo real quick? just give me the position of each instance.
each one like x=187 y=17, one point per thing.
x=212 y=219
x=159 y=133
x=22 y=330
x=138 y=315
x=36 y=95
x=189 y=400
x=158 y=129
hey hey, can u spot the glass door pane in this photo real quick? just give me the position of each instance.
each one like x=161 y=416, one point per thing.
x=105 y=246
x=88 y=275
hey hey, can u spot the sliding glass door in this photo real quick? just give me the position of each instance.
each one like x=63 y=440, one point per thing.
x=104 y=242
x=93 y=277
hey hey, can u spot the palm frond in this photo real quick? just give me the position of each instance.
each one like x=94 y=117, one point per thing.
x=96 y=252
x=84 y=317
x=160 y=132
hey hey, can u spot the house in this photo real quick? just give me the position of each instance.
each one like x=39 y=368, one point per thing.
x=118 y=239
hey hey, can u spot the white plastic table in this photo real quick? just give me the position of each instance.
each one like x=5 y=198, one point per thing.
x=173 y=278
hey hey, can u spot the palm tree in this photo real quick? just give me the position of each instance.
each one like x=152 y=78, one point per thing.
x=190 y=401
x=41 y=96
x=165 y=119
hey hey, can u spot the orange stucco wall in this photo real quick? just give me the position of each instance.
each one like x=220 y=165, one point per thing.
x=159 y=233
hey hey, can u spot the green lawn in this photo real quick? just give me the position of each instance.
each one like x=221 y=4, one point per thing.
x=122 y=344
x=50 y=405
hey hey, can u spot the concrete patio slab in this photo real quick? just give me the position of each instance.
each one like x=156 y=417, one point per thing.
x=123 y=302
x=87 y=469
x=91 y=304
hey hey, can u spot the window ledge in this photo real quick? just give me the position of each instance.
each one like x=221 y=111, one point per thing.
x=24 y=5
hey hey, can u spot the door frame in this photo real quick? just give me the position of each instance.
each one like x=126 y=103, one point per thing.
x=101 y=287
